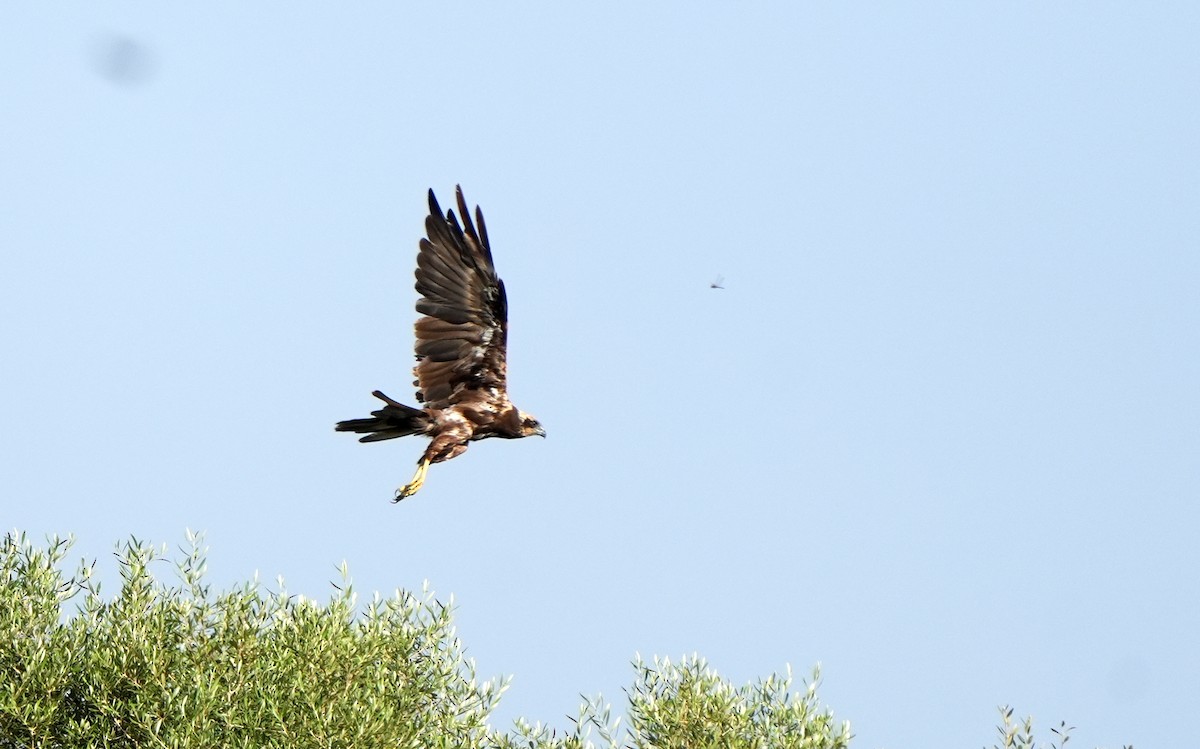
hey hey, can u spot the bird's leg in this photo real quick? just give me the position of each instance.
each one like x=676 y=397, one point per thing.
x=413 y=486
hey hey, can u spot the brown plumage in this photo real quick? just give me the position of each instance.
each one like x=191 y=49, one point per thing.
x=460 y=346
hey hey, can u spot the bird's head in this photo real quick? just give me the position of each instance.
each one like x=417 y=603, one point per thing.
x=531 y=426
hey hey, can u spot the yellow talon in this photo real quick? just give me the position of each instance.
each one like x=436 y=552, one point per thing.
x=412 y=487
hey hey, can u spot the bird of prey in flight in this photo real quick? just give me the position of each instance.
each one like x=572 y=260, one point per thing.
x=460 y=345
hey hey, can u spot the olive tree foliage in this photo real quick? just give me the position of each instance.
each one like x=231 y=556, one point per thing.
x=182 y=667
x=1018 y=734
x=178 y=665
x=689 y=706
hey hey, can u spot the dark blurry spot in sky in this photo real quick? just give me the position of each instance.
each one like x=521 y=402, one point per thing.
x=123 y=60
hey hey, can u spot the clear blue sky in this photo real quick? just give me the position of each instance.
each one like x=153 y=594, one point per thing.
x=940 y=431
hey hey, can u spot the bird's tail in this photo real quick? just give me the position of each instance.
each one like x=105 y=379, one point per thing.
x=391 y=421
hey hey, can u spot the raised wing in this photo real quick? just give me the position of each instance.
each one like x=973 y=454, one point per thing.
x=461 y=340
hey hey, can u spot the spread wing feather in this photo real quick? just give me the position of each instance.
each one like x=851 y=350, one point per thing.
x=461 y=338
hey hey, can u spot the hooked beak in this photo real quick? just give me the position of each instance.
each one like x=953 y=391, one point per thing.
x=541 y=432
